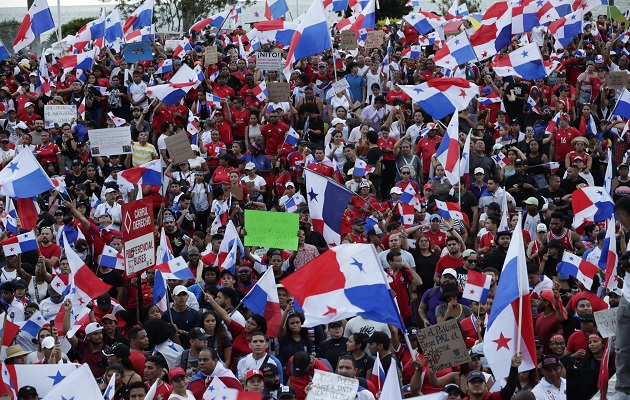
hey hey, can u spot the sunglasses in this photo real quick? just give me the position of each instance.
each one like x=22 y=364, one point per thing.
x=473 y=261
x=405 y=173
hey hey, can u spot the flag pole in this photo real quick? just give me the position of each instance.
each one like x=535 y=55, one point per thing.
x=520 y=301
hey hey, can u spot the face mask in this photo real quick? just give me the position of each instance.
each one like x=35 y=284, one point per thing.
x=272 y=386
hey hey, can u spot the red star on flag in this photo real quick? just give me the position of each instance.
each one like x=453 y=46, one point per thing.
x=472 y=291
x=502 y=341
x=331 y=311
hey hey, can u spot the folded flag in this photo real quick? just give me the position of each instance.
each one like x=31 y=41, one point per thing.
x=176 y=268
x=10 y=219
x=407 y=214
x=262 y=299
x=578 y=268
x=110 y=390
x=609 y=258
x=291 y=205
x=179 y=85
x=449 y=210
x=409 y=196
x=477 y=286
x=112 y=259
x=378 y=374
x=146 y=174
x=346 y=281
x=160 y=294
x=24 y=177
x=19 y=244
x=501 y=160
x=532 y=105
x=442 y=97
x=525 y=62
x=591 y=204
x=554 y=166
x=116 y=120
x=292 y=137
x=9 y=386
x=361 y=168
x=260 y=91
x=165 y=66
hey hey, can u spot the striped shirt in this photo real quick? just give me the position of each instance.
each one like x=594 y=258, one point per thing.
x=142 y=154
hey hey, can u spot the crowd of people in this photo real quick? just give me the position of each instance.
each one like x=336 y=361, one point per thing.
x=519 y=163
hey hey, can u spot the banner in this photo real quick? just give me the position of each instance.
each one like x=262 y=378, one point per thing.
x=109 y=141
x=272 y=229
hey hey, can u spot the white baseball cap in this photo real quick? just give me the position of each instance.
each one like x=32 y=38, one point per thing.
x=249 y=165
x=449 y=271
x=48 y=342
x=396 y=190
x=179 y=289
x=93 y=327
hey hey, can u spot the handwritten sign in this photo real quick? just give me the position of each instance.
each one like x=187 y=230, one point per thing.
x=109 y=141
x=348 y=40
x=59 y=114
x=269 y=61
x=329 y=386
x=340 y=85
x=374 y=39
x=616 y=79
x=278 y=91
x=606 y=321
x=178 y=147
x=443 y=345
x=139 y=51
x=272 y=229
x=211 y=55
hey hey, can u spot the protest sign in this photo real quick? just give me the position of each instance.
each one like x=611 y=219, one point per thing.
x=443 y=345
x=178 y=147
x=278 y=91
x=108 y=141
x=616 y=79
x=59 y=114
x=269 y=61
x=139 y=51
x=348 y=40
x=271 y=229
x=137 y=231
x=340 y=85
x=329 y=386
x=606 y=321
x=211 y=56
x=374 y=39
x=172 y=43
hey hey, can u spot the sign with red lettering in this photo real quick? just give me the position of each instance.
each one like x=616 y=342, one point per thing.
x=137 y=231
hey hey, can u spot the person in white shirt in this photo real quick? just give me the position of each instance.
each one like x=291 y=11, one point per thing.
x=552 y=386
x=255 y=183
x=179 y=382
x=290 y=192
x=111 y=208
x=257 y=357
x=138 y=91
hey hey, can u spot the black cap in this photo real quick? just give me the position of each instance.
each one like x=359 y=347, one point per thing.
x=58 y=212
x=117 y=349
x=26 y=390
x=413 y=332
x=77 y=161
x=270 y=367
x=197 y=333
x=550 y=361
x=555 y=243
x=104 y=302
x=476 y=374
x=285 y=391
x=453 y=387
x=518 y=161
x=300 y=363
x=21 y=283
x=335 y=323
x=380 y=99
x=80 y=186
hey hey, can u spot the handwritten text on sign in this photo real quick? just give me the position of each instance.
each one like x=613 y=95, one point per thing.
x=59 y=114
x=272 y=229
x=329 y=386
x=443 y=345
x=606 y=321
x=269 y=61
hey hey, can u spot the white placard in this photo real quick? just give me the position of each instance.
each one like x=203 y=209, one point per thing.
x=172 y=43
x=105 y=142
x=59 y=114
x=329 y=386
x=340 y=85
x=269 y=61
x=606 y=321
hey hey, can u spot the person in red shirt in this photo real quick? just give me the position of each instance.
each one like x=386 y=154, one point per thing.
x=426 y=148
x=357 y=235
x=401 y=275
x=153 y=370
x=220 y=88
x=561 y=140
x=223 y=123
x=452 y=259
x=273 y=134
x=48 y=152
x=300 y=371
x=51 y=251
x=397 y=93
x=29 y=116
x=388 y=175
x=435 y=234
x=540 y=92
x=240 y=118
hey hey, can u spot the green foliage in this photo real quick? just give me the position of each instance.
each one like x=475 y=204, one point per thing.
x=394 y=9
x=442 y=7
x=8 y=30
x=72 y=27
x=178 y=15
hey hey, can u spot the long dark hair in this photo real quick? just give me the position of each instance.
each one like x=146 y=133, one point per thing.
x=220 y=334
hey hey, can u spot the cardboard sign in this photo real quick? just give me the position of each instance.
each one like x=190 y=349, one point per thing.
x=606 y=321
x=59 y=114
x=349 y=40
x=108 y=141
x=340 y=85
x=278 y=91
x=269 y=61
x=616 y=79
x=443 y=345
x=137 y=231
x=237 y=192
x=374 y=39
x=210 y=56
x=139 y=51
x=178 y=147
x=329 y=386
x=271 y=229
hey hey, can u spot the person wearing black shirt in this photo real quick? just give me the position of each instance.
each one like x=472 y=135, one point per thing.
x=572 y=181
x=470 y=264
x=334 y=347
x=314 y=238
x=555 y=193
x=520 y=185
x=178 y=238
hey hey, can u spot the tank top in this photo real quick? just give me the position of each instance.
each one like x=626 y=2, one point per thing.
x=621 y=190
x=254 y=132
x=565 y=238
x=535 y=161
